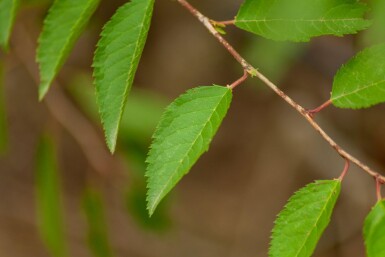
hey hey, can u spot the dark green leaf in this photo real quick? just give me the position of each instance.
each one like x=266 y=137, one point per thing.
x=49 y=208
x=374 y=231
x=8 y=10
x=300 y=225
x=97 y=227
x=360 y=83
x=182 y=136
x=116 y=60
x=300 y=20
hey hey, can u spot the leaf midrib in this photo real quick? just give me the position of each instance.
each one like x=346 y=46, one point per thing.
x=319 y=217
x=155 y=202
x=300 y=20
x=358 y=90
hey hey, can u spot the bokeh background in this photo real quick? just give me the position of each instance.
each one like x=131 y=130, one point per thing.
x=226 y=205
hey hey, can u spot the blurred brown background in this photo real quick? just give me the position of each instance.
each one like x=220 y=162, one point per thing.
x=226 y=206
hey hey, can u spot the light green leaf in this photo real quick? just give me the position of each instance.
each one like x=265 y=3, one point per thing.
x=360 y=83
x=49 y=208
x=375 y=34
x=63 y=25
x=300 y=225
x=374 y=231
x=300 y=20
x=97 y=227
x=8 y=10
x=116 y=60
x=182 y=136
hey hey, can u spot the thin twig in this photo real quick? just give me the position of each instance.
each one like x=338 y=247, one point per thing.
x=319 y=108
x=378 y=188
x=240 y=80
x=254 y=72
x=222 y=23
x=345 y=170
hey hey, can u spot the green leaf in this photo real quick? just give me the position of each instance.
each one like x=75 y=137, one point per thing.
x=49 y=209
x=3 y=114
x=116 y=60
x=375 y=34
x=97 y=228
x=8 y=10
x=63 y=25
x=182 y=136
x=374 y=231
x=300 y=225
x=360 y=83
x=300 y=20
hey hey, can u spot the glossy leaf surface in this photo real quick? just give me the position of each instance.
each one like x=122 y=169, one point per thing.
x=182 y=136
x=306 y=215
x=116 y=60
x=300 y=20
x=63 y=25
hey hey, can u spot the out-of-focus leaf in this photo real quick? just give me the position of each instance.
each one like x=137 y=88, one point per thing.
x=3 y=114
x=136 y=205
x=360 y=83
x=273 y=58
x=374 y=231
x=141 y=112
x=97 y=228
x=48 y=200
x=300 y=20
x=376 y=33
x=306 y=215
x=182 y=136
x=8 y=9
x=63 y=25
x=116 y=60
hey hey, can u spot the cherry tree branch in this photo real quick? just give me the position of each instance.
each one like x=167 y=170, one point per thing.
x=301 y=110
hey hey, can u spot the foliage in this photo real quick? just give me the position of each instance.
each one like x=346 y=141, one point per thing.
x=8 y=10
x=48 y=200
x=190 y=122
x=374 y=232
x=300 y=225
x=116 y=60
x=63 y=25
x=182 y=136
x=299 y=20
x=361 y=82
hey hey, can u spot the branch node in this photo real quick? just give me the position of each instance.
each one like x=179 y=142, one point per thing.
x=314 y=111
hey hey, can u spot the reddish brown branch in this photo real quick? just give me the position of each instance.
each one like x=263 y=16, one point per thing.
x=379 y=183
x=240 y=80
x=345 y=170
x=319 y=108
x=254 y=72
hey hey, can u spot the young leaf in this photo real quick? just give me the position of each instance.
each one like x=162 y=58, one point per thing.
x=361 y=82
x=63 y=25
x=300 y=20
x=182 y=136
x=8 y=10
x=48 y=200
x=116 y=60
x=97 y=227
x=374 y=231
x=300 y=225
